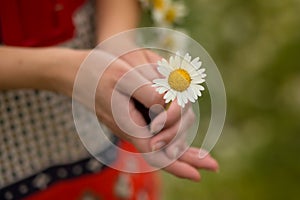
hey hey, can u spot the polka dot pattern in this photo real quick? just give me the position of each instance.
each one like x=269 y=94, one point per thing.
x=36 y=127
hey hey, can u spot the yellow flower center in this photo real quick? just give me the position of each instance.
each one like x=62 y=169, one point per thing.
x=169 y=42
x=179 y=80
x=158 y=4
x=170 y=15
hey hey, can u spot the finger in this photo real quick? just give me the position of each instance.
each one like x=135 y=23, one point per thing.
x=175 y=134
x=133 y=84
x=147 y=95
x=191 y=156
x=127 y=117
x=135 y=58
x=180 y=169
x=169 y=118
x=164 y=119
x=183 y=170
x=144 y=66
x=177 y=146
x=152 y=56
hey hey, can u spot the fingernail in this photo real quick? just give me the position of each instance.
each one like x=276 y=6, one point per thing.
x=202 y=153
x=158 y=145
x=156 y=127
x=218 y=168
x=175 y=152
x=214 y=166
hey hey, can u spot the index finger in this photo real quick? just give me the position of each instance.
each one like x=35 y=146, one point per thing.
x=168 y=118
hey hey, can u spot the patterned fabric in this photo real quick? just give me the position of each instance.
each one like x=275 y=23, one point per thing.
x=36 y=127
x=42 y=157
x=89 y=180
x=47 y=177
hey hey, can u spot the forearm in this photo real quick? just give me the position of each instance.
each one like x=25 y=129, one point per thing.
x=114 y=16
x=36 y=68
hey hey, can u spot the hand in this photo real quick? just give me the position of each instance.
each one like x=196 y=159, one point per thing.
x=175 y=156
x=172 y=126
x=113 y=94
x=144 y=63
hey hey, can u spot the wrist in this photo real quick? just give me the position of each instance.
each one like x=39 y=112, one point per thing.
x=62 y=70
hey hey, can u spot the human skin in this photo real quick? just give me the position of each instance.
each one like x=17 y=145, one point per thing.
x=55 y=68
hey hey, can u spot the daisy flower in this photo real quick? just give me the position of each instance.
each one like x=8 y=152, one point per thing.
x=145 y=3
x=172 y=40
x=160 y=4
x=183 y=77
x=168 y=13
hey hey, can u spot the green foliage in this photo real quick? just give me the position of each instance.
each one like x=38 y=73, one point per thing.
x=256 y=45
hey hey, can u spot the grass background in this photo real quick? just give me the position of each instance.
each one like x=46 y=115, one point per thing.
x=256 y=45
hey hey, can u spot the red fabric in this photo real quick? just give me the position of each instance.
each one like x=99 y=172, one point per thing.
x=45 y=23
x=102 y=185
x=35 y=22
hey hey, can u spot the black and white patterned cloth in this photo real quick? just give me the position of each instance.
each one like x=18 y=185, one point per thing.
x=37 y=131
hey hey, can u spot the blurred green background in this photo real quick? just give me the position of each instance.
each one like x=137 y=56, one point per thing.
x=256 y=45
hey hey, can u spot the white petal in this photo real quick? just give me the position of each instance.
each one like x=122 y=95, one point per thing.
x=196 y=63
x=192 y=69
x=195 y=60
x=174 y=94
x=161 y=82
x=199 y=94
x=177 y=62
x=171 y=61
x=192 y=93
x=157 y=85
x=201 y=71
x=167 y=100
x=187 y=57
x=197 y=81
x=188 y=96
x=184 y=99
x=165 y=71
x=199 y=87
x=180 y=103
x=157 y=16
x=171 y=96
x=187 y=66
x=162 y=90
x=179 y=99
x=167 y=97
x=196 y=90
x=184 y=64
x=164 y=62
x=180 y=9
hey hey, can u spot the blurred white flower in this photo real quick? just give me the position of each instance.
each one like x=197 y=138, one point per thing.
x=183 y=77
x=160 y=4
x=166 y=13
x=172 y=40
x=145 y=3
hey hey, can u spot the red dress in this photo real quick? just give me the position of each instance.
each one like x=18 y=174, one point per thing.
x=36 y=23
